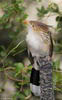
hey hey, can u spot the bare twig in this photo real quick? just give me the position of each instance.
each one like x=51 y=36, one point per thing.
x=13 y=78
x=29 y=96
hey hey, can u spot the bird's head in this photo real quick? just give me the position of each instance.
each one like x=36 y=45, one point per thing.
x=36 y=26
x=40 y=29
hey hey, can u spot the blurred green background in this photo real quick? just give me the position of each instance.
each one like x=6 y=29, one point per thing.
x=15 y=66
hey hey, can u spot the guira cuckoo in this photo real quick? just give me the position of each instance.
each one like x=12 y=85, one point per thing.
x=40 y=47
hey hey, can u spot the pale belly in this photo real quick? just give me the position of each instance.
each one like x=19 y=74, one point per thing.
x=36 y=45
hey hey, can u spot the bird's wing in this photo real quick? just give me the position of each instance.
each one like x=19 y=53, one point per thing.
x=34 y=77
x=31 y=58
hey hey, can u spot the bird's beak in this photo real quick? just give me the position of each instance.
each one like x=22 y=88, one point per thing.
x=26 y=22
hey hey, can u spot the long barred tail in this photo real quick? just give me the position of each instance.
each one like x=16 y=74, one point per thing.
x=42 y=71
x=34 y=79
x=46 y=86
x=34 y=82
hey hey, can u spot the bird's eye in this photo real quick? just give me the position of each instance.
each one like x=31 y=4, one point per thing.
x=32 y=25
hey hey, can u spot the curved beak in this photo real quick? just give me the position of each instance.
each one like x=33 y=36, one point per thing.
x=26 y=22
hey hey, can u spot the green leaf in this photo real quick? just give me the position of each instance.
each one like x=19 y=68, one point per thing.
x=25 y=16
x=22 y=97
x=55 y=79
x=53 y=7
x=57 y=64
x=2 y=47
x=8 y=26
x=5 y=16
x=27 y=92
x=38 y=0
x=18 y=66
x=17 y=74
x=19 y=95
x=3 y=54
x=4 y=4
x=21 y=18
x=42 y=11
x=19 y=1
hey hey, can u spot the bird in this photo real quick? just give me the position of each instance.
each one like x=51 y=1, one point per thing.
x=39 y=39
x=40 y=47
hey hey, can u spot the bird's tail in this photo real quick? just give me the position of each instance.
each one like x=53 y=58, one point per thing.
x=34 y=80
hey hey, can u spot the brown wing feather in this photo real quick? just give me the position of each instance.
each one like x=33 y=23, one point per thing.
x=51 y=46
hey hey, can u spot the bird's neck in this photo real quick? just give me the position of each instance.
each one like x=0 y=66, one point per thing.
x=33 y=42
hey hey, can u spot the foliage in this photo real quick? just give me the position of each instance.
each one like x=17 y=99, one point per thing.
x=15 y=12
